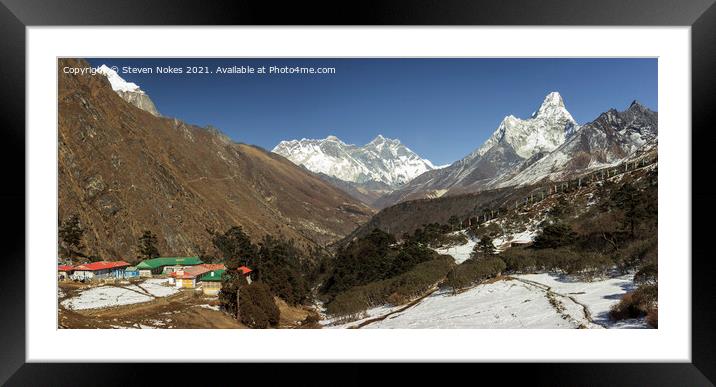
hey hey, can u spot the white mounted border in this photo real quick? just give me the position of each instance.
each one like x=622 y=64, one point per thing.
x=671 y=342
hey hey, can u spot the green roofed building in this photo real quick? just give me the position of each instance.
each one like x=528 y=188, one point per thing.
x=211 y=282
x=166 y=265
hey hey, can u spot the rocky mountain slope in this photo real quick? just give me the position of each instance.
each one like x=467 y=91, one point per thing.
x=124 y=170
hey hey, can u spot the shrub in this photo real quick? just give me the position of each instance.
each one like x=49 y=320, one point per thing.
x=396 y=290
x=647 y=275
x=638 y=253
x=257 y=306
x=554 y=235
x=373 y=258
x=635 y=304
x=472 y=271
x=519 y=260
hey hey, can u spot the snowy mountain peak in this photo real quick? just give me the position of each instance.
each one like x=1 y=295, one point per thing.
x=382 y=160
x=129 y=91
x=553 y=99
x=380 y=140
x=544 y=131
x=118 y=83
x=552 y=105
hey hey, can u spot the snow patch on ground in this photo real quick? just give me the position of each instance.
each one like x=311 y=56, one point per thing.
x=104 y=297
x=159 y=287
x=108 y=296
x=461 y=253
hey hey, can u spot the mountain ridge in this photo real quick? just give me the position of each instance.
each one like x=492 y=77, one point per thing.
x=381 y=160
x=122 y=171
x=519 y=150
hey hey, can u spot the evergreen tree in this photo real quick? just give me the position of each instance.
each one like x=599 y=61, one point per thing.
x=236 y=248
x=633 y=203
x=71 y=233
x=554 y=235
x=454 y=222
x=484 y=248
x=231 y=281
x=148 y=245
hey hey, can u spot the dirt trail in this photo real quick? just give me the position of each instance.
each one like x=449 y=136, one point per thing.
x=548 y=290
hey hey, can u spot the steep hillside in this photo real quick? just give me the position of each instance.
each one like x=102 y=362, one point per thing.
x=124 y=170
x=406 y=217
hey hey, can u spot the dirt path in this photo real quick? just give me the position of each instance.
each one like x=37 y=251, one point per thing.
x=550 y=296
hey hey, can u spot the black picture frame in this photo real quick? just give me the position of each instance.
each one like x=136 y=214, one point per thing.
x=16 y=15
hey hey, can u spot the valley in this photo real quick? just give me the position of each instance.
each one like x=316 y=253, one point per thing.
x=548 y=223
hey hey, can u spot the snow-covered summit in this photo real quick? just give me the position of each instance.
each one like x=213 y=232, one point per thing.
x=118 y=83
x=544 y=131
x=382 y=159
x=129 y=91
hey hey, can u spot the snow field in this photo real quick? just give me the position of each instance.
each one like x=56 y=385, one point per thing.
x=104 y=297
x=546 y=301
x=107 y=296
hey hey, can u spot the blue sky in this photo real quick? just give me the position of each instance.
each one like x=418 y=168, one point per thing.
x=440 y=108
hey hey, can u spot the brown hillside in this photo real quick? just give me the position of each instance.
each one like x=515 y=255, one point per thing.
x=123 y=170
x=407 y=216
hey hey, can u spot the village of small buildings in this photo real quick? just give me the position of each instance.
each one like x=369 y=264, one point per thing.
x=163 y=292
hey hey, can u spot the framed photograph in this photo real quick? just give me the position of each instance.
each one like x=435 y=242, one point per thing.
x=459 y=183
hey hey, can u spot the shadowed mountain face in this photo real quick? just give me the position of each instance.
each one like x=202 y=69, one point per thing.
x=124 y=170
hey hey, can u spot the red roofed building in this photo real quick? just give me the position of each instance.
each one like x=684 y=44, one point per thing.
x=99 y=270
x=64 y=272
x=244 y=270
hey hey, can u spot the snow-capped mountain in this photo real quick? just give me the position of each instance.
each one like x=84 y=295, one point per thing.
x=514 y=141
x=129 y=91
x=544 y=131
x=549 y=145
x=382 y=160
x=610 y=139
